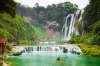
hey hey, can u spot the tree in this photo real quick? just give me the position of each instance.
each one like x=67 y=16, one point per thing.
x=15 y=29
x=91 y=19
x=36 y=4
x=96 y=28
x=91 y=14
x=8 y=6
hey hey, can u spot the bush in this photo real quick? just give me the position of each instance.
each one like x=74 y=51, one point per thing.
x=96 y=39
x=1 y=64
x=88 y=41
x=88 y=38
x=74 y=38
x=9 y=47
x=91 y=50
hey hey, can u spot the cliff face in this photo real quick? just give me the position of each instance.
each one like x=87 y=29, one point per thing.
x=49 y=26
x=50 y=29
x=36 y=18
x=29 y=19
x=49 y=18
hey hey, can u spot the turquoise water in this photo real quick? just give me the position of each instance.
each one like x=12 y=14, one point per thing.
x=49 y=59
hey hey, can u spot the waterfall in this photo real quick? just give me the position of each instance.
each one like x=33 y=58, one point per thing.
x=80 y=19
x=42 y=49
x=68 y=26
x=55 y=48
x=65 y=27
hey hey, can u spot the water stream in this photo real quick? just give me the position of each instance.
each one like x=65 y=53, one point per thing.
x=49 y=59
x=47 y=56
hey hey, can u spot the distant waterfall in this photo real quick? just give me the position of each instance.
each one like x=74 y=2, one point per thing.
x=68 y=26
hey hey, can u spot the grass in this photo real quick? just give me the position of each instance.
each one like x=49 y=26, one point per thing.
x=39 y=32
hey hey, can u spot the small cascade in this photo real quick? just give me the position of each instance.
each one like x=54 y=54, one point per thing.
x=41 y=49
x=69 y=51
x=58 y=48
x=68 y=26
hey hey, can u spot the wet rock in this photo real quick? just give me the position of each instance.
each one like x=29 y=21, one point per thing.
x=73 y=51
x=78 y=53
x=65 y=50
x=58 y=58
x=17 y=53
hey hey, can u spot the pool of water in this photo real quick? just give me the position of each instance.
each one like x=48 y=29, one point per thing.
x=49 y=59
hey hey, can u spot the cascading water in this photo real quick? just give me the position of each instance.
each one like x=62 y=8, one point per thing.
x=42 y=49
x=68 y=26
x=55 y=48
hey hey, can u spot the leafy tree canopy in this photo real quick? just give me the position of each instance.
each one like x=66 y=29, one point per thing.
x=8 y=6
x=91 y=14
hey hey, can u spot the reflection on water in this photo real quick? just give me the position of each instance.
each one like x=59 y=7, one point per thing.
x=49 y=59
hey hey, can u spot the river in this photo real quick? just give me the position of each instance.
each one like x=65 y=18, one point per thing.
x=49 y=59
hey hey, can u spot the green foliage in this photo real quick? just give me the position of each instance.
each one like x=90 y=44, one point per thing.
x=9 y=47
x=15 y=29
x=0 y=64
x=39 y=32
x=96 y=28
x=8 y=6
x=74 y=38
x=91 y=14
x=87 y=38
x=90 y=50
x=94 y=37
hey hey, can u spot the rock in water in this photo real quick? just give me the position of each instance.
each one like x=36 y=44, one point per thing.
x=58 y=58
x=65 y=50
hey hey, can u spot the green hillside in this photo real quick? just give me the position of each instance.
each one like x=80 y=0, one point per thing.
x=18 y=29
x=39 y=32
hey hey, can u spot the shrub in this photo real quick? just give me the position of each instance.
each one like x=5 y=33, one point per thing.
x=96 y=39
x=91 y=50
x=9 y=47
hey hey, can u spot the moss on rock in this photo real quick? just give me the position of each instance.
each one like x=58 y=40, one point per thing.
x=17 y=53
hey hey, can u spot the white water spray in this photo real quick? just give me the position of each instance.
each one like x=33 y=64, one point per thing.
x=68 y=26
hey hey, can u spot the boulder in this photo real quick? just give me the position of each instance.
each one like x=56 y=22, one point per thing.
x=65 y=50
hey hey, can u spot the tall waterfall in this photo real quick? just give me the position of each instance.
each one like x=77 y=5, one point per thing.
x=68 y=26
